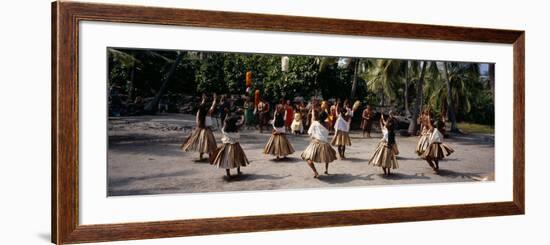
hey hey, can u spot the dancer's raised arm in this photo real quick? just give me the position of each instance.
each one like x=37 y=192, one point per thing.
x=382 y=120
x=214 y=104
x=312 y=111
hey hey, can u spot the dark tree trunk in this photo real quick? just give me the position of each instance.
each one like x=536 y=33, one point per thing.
x=354 y=81
x=492 y=80
x=419 y=100
x=406 y=92
x=382 y=98
x=450 y=107
x=131 y=84
x=152 y=106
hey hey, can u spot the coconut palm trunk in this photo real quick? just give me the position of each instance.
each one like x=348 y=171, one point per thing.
x=450 y=107
x=406 y=90
x=354 y=81
x=491 y=72
x=152 y=106
x=419 y=100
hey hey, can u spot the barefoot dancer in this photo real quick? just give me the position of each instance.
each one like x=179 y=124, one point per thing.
x=230 y=154
x=424 y=134
x=436 y=150
x=341 y=137
x=202 y=139
x=318 y=150
x=278 y=145
x=385 y=153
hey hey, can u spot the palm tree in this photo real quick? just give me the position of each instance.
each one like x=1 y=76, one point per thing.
x=491 y=72
x=450 y=87
x=419 y=99
x=127 y=61
x=383 y=76
x=152 y=106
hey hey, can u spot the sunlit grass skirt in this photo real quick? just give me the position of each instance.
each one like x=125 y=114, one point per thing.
x=437 y=151
x=319 y=151
x=229 y=156
x=341 y=138
x=278 y=145
x=422 y=144
x=201 y=140
x=385 y=156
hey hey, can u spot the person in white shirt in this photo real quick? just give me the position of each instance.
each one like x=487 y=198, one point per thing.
x=297 y=125
x=341 y=137
x=278 y=144
x=436 y=149
x=229 y=154
x=318 y=150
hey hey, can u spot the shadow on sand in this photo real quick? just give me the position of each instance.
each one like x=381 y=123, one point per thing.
x=150 y=191
x=453 y=174
x=286 y=160
x=118 y=182
x=355 y=159
x=402 y=176
x=343 y=178
x=252 y=177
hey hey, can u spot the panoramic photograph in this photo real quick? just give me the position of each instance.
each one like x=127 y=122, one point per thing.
x=184 y=121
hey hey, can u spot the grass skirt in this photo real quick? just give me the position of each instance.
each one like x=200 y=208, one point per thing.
x=384 y=156
x=319 y=151
x=278 y=145
x=201 y=140
x=229 y=156
x=437 y=151
x=423 y=143
x=341 y=138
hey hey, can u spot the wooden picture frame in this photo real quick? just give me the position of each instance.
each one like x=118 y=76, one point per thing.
x=65 y=121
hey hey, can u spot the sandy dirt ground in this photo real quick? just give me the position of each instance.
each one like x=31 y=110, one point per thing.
x=144 y=157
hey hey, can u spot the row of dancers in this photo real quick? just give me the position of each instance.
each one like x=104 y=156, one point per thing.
x=230 y=155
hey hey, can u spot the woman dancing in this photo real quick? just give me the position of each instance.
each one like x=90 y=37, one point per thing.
x=436 y=149
x=423 y=120
x=385 y=154
x=202 y=139
x=278 y=145
x=230 y=155
x=341 y=137
x=318 y=150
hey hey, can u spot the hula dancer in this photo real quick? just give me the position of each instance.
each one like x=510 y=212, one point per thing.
x=318 y=150
x=341 y=137
x=385 y=154
x=230 y=154
x=278 y=145
x=436 y=150
x=424 y=134
x=202 y=139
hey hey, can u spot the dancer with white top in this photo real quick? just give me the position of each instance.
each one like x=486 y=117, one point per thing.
x=318 y=150
x=278 y=144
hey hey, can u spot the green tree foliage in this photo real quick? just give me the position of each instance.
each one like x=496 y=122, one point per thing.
x=385 y=82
